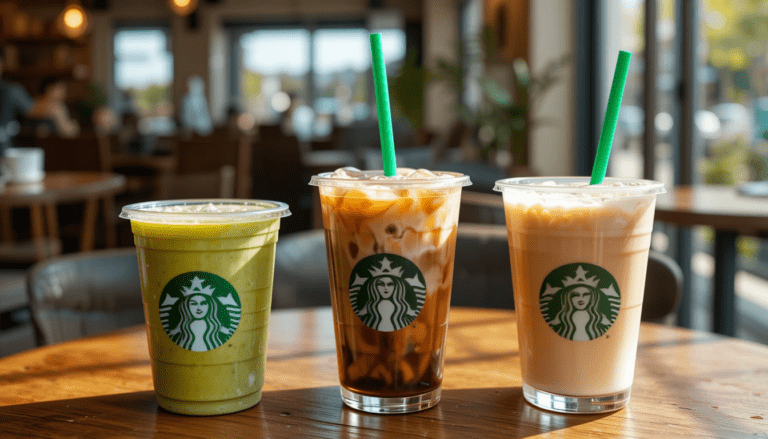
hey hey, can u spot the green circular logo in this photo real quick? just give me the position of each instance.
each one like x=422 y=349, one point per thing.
x=199 y=311
x=580 y=301
x=387 y=291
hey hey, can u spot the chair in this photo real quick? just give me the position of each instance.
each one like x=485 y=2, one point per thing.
x=205 y=154
x=86 y=153
x=301 y=271
x=16 y=331
x=83 y=294
x=214 y=184
x=663 y=288
x=481 y=270
x=279 y=174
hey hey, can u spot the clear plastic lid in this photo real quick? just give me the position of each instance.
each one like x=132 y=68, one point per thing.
x=205 y=211
x=376 y=178
x=580 y=186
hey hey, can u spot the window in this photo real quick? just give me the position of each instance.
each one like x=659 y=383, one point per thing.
x=143 y=76
x=716 y=134
x=322 y=73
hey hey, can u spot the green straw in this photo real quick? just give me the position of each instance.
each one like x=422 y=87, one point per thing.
x=611 y=117
x=382 y=107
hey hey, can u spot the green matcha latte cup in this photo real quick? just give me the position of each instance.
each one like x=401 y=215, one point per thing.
x=206 y=276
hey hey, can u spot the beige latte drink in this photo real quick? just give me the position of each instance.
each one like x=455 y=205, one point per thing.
x=579 y=255
x=391 y=244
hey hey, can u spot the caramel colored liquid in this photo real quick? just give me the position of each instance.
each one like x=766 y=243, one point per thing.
x=613 y=235
x=419 y=225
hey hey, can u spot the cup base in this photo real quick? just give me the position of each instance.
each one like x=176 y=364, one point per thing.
x=404 y=404
x=209 y=408
x=576 y=404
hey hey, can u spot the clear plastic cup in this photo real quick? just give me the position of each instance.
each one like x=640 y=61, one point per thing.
x=391 y=246
x=206 y=271
x=579 y=254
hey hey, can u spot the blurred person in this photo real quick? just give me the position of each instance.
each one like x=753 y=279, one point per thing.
x=14 y=103
x=51 y=110
x=195 y=116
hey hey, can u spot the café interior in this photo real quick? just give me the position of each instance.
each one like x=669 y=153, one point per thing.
x=105 y=103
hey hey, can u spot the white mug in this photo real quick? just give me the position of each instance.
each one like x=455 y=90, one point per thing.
x=23 y=165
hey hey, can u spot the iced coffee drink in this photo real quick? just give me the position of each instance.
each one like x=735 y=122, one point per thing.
x=391 y=244
x=579 y=254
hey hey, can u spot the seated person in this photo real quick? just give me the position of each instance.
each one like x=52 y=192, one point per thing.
x=50 y=112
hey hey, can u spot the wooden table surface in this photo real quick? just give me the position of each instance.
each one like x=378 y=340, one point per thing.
x=730 y=214
x=60 y=188
x=721 y=207
x=687 y=384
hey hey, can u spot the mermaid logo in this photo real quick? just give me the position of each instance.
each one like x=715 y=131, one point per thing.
x=387 y=291
x=583 y=308
x=199 y=311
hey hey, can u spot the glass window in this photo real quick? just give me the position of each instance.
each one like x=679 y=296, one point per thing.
x=274 y=71
x=321 y=75
x=143 y=76
x=733 y=91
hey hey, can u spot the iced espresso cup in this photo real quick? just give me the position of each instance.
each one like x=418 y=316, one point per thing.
x=579 y=254
x=391 y=243
x=206 y=277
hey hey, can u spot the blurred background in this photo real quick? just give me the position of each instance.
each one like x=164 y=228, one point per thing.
x=249 y=99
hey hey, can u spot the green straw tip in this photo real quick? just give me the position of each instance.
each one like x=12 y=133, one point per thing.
x=611 y=117
x=382 y=106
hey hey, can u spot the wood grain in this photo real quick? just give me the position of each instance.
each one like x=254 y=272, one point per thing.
x=687 y=384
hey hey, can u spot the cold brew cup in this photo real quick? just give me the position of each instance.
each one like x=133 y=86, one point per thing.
x=206 y=277
x=391 y=244
x=579 y=254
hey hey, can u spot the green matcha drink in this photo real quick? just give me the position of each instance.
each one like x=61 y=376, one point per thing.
x=206 y=275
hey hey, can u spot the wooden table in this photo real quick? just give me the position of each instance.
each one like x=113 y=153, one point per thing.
x=687 y=384
x=730 y=214
x=57 y=188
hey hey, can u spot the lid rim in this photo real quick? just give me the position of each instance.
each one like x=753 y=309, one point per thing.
x=141 y=211
x=648 y=187
x=457 y=179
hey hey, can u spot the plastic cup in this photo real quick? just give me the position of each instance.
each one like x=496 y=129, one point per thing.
x=206 y=276
x=391 y=246
x=579 y=255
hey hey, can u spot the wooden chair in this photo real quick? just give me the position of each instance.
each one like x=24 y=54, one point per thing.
x=86 y=153
x=279 y=174
x=82 y=294
x=206 y=154
x=213 y=184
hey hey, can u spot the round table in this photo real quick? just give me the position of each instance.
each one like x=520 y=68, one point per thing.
x=687 y=384
x=57 y=188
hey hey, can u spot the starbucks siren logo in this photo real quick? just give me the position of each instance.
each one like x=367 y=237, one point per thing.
x=199 y=311
x=387 y=291
x=579 y=307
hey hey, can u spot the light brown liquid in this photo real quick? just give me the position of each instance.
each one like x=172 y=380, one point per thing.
x=614 y=235
x=420 y=225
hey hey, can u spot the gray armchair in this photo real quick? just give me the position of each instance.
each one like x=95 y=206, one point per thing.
x=82 y=294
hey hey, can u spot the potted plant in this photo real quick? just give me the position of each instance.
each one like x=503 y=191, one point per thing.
x=503 y=120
